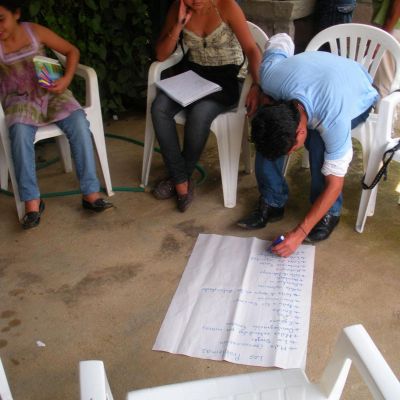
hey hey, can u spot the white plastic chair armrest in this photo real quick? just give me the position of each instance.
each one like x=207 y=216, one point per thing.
x=388 y=104
x=90 y=76
x=5 y=392
x=356 y=345
x=93 y=381
x=157 y=67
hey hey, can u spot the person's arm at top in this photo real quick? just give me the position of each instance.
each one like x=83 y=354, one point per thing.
x=278 y=47
x=178 y=16
x=233 y=15
x=51 y=40
x=392 y=16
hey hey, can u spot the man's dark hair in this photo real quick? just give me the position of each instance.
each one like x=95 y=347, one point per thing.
x=11 y=5
x=274 y=129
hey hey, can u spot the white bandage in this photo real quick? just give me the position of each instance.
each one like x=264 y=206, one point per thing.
x=281 y=41
x=337 y=167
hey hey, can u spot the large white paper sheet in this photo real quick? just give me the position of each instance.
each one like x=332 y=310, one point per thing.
x=240 y=303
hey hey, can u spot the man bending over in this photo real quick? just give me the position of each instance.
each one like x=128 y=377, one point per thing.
x=316 y=98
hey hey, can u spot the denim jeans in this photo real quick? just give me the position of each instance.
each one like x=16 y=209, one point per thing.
x=333 y=12
x=272 y=184
x=76 y=129
x=199 y=116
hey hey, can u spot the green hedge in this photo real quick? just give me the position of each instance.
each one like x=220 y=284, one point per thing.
x=113 y=37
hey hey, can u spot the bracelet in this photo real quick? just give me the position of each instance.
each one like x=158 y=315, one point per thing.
x=256 y=84
x=299 y=226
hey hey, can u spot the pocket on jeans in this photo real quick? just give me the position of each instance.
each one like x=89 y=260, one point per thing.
x=344 y=13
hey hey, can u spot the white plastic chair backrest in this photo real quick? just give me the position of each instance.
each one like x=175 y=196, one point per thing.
x=5 y=392
x=365 y=44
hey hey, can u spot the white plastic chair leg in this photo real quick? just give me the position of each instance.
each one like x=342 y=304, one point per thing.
x=149 y=139
x=93 y=381
x=248 y=158
x=100 y=143
x=366 y=207
x=65 y=152
x=229 y=130
x=8 y=161
x=3 y=169
x=5 y=392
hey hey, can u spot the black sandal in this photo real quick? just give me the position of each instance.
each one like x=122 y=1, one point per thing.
x=32 y=218
x=98 y=205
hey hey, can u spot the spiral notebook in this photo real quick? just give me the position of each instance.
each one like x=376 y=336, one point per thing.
x=187 y=87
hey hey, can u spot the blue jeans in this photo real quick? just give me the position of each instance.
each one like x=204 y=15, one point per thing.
x=333 y=12
x=272 y=184
x=199 y=116
x=76 y=128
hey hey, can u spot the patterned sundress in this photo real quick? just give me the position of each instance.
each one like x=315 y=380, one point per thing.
x=23 y=100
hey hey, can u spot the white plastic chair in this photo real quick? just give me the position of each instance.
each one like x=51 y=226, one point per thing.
x=354 y=345
x=93 y=111
x=366 y=44
x=227 y=127
x=5 y=392
x=93 y=381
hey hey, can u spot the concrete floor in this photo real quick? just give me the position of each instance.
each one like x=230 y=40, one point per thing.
x=98 y=286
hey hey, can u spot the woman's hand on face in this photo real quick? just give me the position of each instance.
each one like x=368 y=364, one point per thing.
x=184 y=14
x=59 y=86
x=252 y=100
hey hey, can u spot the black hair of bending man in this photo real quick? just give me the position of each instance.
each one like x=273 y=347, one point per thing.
x=274 y=129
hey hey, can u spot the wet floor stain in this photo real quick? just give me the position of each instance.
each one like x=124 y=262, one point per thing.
x=28 y=278
x=16 y=292
x=190 y=229
x=4 y=264
x=14 y=322
x=3 y=343
x=170 y=245
x=7 y=314
x=6 y=329
x=95 y=281
x=14 y=361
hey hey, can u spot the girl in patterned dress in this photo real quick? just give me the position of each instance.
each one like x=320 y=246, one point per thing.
x=28 y=106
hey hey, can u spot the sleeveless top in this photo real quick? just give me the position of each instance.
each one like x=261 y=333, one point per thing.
x=23 y=100
x=220 y=47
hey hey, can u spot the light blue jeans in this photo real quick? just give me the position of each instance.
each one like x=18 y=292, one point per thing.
x=76 y=129
x=272 y=184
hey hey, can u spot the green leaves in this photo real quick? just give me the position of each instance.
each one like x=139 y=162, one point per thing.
x=113 y=38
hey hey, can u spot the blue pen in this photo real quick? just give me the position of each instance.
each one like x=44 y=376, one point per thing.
x=278 y=240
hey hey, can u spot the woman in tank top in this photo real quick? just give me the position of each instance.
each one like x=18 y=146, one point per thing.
x=219 y=45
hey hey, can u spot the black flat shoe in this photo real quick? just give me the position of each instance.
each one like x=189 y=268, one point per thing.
x=165 y=189
x=261 y=216
x=32 y=218
x=323 y=229
x=98 y=205
x=183 y=201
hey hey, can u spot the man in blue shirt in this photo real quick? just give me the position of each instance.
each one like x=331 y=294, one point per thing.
x=317 y=98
